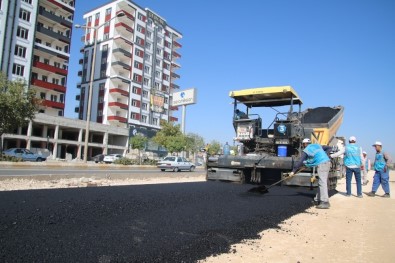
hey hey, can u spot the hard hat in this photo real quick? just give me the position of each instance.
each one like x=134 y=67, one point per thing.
x=364 y=152
x=377 y=143
x=352 y=139
x=306 y=140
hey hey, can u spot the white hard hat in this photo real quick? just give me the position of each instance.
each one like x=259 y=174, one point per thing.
x=377 y=143
x=306 y=140
x=352 y=139
x=364 y=152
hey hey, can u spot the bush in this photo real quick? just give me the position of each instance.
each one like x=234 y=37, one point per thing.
x=124 y=161
x=6 y=158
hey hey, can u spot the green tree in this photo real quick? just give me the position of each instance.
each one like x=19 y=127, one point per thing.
x=214 y=147
x=138 y=142
x=170 y=137
x=18 y=104
x=194 y=143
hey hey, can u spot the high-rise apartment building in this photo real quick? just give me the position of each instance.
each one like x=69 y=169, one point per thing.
x=135 y=66
x=35 y=38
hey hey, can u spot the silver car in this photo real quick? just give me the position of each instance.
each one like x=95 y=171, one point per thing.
x=111 y=158
x=176 y=164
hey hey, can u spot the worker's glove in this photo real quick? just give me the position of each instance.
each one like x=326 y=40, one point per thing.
x=291 y=174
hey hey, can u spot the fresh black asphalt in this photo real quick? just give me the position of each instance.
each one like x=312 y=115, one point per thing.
x=181 y=222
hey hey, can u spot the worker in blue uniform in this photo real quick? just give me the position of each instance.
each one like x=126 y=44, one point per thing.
x=315 y=155
x=381 y=176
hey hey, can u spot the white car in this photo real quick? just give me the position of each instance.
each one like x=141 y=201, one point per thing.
x=176 y=164
x=111 y=158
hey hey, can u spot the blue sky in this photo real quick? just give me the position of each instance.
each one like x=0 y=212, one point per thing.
x=332 y=52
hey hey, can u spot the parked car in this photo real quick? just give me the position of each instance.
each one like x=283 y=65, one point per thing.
x=176 y=164
x=111 y=158
x=98 y=158
x=24 y=154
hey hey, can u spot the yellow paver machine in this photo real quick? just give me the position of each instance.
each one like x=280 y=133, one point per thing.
x=265 y=154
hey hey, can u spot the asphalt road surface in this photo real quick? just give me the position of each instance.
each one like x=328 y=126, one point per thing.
x=181 y=222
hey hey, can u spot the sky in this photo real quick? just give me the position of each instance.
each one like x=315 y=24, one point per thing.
x=331 y=52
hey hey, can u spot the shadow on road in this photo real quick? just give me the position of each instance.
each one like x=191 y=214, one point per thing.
x=141 y=223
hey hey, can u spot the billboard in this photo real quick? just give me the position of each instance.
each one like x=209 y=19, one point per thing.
x=157 y=103
x=185 y=97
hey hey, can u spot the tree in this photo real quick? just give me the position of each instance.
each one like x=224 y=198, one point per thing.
x=214 y=147
x=170 y=137
x=138 y=142
x=18 y=104
x=194 y=143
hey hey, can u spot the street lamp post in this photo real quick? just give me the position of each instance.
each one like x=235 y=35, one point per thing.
x=89 y=110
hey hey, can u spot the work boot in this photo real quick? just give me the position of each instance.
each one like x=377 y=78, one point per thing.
x=315 y=202
x=366 y=183
x=323 y=205
x=360 y=196
x=371 y=194
x=386 y=195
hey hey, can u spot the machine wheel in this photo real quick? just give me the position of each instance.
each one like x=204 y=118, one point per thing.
x=39 y=159
x=176 y=169
x=163 y=170
x=192 y=168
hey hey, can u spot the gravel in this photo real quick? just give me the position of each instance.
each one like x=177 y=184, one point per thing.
x=181 y=222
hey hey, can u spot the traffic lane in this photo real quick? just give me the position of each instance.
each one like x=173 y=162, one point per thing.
x=78 y=172
x=141 y=223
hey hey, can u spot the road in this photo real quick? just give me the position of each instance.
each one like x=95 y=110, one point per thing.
x=181 y=222
x=75 y=172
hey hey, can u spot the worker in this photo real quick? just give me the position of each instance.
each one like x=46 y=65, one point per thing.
x=366 y=162
x=240 y=115
x=353 y=161
x=381 y=176
x=314 y=155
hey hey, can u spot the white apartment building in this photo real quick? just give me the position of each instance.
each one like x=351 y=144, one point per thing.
x=35 y=38
x=135 y=67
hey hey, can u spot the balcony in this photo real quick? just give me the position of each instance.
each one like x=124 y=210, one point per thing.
x=123 y=28
x=127 y=15
x=121 y=51
x=81 y=61
x=53 y=34
x=48 y=85
x=55 y=18
x=176 y=55
x=175 y=86
x=174 y=108
x=77 y=97
x=117 y=118
x=119 y=91
x=123 y=42
x=50 y=68
x=118 y=104
x=120 y=64
x=53 y=104
x=173 y=119
x=80 y=73
x=176 y=44
x=65 y=6
x=175 y=76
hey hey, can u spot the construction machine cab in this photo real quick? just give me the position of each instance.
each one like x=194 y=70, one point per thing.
x=284 y=130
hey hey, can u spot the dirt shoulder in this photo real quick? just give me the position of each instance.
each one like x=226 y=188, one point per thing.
x=352 y=230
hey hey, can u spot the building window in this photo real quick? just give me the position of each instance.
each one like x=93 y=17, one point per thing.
x=24 y=14
x=159 y=40
x=100 y=113
x=159 y=51
x=101 y=99
x=139 y=53
x=144 y=118
x=144 y=106
x=148 y=45
x=108 y=11
x=90 y=19
x=166 y=100
x=155 y=121
x=134 y=103
x=97 y=16
x=60 y=113
x=101 y=86
x=146 y=82
x=145 y=94
x=18 y=69
x=137 y=64
x=22 y=32
x=147 y=57
x=140 y=41
x=140 y=29
x=103 y=73
x=157 y=62
x=106 y=36
x=149 y=22
x=149 y=34
x=133 y=115
x=135 y=90
x=140 y=17
x=42 y=95
x=147 y=69
x=54 y=98
x=157 y=74
x=26 y=1
x=105 y=47
x=136 y=78
x=20 y=51
x=157 y=85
